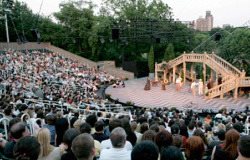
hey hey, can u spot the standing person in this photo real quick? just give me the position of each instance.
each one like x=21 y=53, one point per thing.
x=178 y=83
x=193 y=88
x=200 y=87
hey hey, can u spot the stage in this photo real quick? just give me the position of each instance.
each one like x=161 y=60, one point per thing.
x=156 y=97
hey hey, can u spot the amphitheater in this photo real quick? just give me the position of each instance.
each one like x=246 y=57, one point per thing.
x=232 y=80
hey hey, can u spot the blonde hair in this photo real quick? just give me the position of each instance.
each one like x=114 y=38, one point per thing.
x=43 y=137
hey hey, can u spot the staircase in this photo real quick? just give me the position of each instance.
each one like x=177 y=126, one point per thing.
x=232 y=78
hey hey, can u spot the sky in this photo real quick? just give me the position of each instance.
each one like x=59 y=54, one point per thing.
x=233 y=12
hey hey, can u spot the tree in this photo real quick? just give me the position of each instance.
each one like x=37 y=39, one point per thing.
x=169 y=53
x=235 y=48
x=78 y=22
x=151 y=60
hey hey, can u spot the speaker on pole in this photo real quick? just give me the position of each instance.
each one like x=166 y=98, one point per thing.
x=217 y=37
x=36 y=35
x=158 y=40
x=115 y=33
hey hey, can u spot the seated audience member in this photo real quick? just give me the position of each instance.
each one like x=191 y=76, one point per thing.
x=27 y=148
x=244 y=148
x=17 y=131
x=171 y=153
x=50 y=124
x=217 y=141
x=118 y=151
x=86 y=128
x=228 y=149
x=91 y=120
x=148 y=135
x=47 y=150
x=133 y=128
x=131 y=137
x=83 y=147
x=163 y=139
x=61 y=126
x=113 y=123
x=194 y=148
x=144 y=127
x=99 y=135
x=145 y=150
x=68 y=137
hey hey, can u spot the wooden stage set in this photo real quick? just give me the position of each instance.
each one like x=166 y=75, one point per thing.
x=156 y=97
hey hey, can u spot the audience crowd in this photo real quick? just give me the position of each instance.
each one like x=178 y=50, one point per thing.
x=30 y=130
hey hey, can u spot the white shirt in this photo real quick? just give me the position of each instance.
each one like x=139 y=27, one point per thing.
x=115 y=154
x=106 y=144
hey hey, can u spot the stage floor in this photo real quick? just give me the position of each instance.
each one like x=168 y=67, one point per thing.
x=156 y=97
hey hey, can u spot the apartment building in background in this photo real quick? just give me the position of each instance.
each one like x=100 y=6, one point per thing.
x=204 y=24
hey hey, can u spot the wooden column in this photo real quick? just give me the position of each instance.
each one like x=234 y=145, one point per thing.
x=184 y=72
x=236 y=88
x=164 y=76
x=204 y=73
x=216 y=78
x=174 y=70
x=192 y=71
x=156 y=72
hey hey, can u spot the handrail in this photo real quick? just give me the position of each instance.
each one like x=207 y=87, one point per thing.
x=244 y=82
x=28 y=122
x=222 y=88
x=5 y=122
x=226 y=64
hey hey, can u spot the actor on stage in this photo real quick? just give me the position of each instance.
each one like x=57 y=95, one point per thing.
x=200 y=87
x=178 y=83
x=193 y=88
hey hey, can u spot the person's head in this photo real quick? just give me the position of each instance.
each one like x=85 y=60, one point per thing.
x=177 y=140
x=27 y=148
x=145 y=150
x=113 y=123
x=19 y=130
x=154 y=127
x=231 y=139
x=221 y=135
x=43 y=137
x=85 y=128
x=83 y=147
x=133 y=126
x=148 y=135
x=99 y=125
x=69 y=136
x=175 y=129
x=171 y=153
x=144 y=127
x=163 y=139
x=183 y=130
x=200 y=133
x=91 y=120
x=243 y=147
x=14 y=121
x=238 y=126
x=118 y=137
x=50 y=119
x=191 y=126
x=194 y=148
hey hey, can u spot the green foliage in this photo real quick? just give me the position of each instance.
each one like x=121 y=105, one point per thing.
x=151 y=61
x=169 y=53
x=235 y=48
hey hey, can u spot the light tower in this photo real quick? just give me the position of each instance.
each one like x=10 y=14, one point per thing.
x=6 y=7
